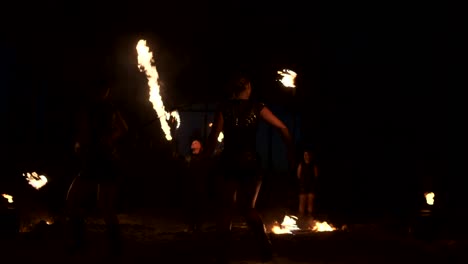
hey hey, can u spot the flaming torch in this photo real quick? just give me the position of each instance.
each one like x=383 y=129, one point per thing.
x=145 y=64
x=429 y=198
x=288 y=78
x=8 y=197
x=221 y=135
x=176 y=116
x=35 y=180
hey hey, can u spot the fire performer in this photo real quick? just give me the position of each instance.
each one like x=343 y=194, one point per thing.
x=238 y=119
x=307 y=174
x=100 y=131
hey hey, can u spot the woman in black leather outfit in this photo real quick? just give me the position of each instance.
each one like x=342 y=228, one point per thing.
x=238 y=119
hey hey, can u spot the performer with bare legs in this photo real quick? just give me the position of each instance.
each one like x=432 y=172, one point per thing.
x=238 y=119
x=100 y=129
x=307 y=174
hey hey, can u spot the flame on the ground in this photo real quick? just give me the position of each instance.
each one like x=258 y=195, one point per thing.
x=287 y=226
x=429 y=198
x=35 y=180
x=145 y=64
x=322 y=227
x=288 y=78
x=8 y=197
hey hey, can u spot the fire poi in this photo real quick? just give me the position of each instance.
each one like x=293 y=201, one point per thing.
x=429 y=198
x=221 y=135
x=145 y=64
x=287 y=78
x=8 y=197
x=35 y=180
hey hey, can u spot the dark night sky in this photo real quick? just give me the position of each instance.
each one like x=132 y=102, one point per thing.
x=376 y=86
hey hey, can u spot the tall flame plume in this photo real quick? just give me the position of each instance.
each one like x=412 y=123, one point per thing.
x=145 y=64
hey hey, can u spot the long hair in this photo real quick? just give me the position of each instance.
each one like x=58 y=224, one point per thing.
x=237 y=83
x=101 y=84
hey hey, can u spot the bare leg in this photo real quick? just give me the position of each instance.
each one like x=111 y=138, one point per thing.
x=310 y=203
x=248 y=194
x=80 y=192
x=228 y=199
x=108 y=206
x=302 y=203
x=195 y=210
x=108 y=203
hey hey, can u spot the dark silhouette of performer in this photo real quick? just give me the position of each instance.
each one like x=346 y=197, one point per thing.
x=196 y=186
x=307 y=174
x=99 y=133
x=238 y=119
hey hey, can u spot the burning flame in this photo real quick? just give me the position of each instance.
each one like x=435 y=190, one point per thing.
x=322 y=227
x=429 y=198
x=35 y=180
x=221 y=135
x=145 y=64
x=176 y=116
x=287 y=226
x=287 y=78
x=8 y=197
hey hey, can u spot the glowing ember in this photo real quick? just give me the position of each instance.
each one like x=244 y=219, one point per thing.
x=429 y=198
x=35 y=180
x=287 y=78
x=145 y=64
x=8 y=197
x=287 y=226
x=322 y=227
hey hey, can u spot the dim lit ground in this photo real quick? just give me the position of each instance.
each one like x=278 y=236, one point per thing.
x=157 y=236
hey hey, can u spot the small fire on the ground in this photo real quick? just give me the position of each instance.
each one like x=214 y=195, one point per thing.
x=289 y=225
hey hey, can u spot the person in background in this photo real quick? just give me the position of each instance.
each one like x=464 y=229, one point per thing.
x=99 y=133
x=307 y=174
x=196 y=186
x=238 y=119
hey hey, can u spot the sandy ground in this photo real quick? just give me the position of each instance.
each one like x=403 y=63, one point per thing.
x=159 y=237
